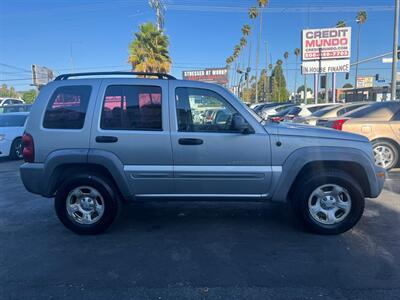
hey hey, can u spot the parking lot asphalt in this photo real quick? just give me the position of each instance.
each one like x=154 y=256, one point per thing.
x=195 y=250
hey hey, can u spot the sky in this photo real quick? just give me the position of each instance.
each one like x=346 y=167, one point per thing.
x=93 y=35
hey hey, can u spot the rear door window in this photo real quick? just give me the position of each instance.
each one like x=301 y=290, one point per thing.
x=67 y=107
x=132 y=107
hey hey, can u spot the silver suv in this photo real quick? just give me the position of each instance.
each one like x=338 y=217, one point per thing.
x=95 y=141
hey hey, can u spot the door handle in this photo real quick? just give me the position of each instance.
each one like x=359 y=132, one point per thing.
x=106 y=139
x=190 y=141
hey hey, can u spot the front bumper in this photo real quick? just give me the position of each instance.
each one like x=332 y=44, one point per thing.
x=5 y=146
x=380 y=174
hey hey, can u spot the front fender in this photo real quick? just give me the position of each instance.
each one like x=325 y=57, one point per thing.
x=298 y=159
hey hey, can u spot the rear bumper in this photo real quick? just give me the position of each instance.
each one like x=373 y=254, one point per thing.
x=33 y=179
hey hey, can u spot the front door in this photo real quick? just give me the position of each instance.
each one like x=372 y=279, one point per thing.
x=211 y=159
x=132 y=125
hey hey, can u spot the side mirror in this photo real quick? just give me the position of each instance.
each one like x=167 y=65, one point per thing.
x=239 y=124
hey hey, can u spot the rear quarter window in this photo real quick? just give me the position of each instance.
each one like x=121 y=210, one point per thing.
x=67 y=107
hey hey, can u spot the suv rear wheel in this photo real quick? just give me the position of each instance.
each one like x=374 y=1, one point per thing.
x=87 y=204
x=330 y=202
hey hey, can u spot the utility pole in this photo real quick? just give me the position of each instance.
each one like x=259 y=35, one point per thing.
x=326 y=88
x=266 y=81
x=358 y=57
x=395 y=45
x=159 y=8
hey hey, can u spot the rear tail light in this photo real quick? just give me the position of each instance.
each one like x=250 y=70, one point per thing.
x=338 y=124
x=29 y=148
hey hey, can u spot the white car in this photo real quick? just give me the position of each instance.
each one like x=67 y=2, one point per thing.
x=12 y=127
x=10 y=101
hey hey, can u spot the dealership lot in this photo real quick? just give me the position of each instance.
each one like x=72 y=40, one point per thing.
x=195 y=251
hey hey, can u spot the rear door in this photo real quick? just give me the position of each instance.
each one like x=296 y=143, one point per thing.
x=211 y=160
x=395 y=124
x=132 y=123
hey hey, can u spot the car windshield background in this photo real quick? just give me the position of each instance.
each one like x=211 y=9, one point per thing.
x=382 y=110
x=201 y=110
x=12 y=121
x=67 y=107
x=132 y=107
x=322 y=112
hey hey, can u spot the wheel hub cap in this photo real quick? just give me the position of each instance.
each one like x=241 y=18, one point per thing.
x=85 y=205
x=329 y=204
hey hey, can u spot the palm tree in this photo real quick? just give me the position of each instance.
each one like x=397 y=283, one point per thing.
x=148 y=52
x=246 y=30
x=286 y=56
x=261 y=5
x=361 y=19
x=243 y=42
x=340 y=24
x=253 y=14
x=296 y=53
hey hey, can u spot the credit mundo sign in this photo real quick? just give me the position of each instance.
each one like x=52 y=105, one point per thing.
x=326 y=43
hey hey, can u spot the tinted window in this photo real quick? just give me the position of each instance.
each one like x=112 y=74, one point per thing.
x=381 y=110
x=67 y=107
x=349 y=109
x=12 y=120
x=200 y=110
x=132 y=107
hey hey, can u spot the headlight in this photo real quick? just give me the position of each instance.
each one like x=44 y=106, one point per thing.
x=2 y=137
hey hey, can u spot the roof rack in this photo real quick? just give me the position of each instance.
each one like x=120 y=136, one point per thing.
x=159 y=75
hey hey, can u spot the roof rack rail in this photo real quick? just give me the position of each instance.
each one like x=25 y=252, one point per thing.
x=145 y=74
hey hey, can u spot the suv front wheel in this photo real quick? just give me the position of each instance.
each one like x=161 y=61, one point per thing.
x=87 y=204
x=330 y=202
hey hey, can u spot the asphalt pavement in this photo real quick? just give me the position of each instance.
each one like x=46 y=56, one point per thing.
x=195 y=250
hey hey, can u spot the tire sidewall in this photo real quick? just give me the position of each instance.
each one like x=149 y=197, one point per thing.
x=394 y=150
x=341 y=179
x=111 y=204
x=13 y=154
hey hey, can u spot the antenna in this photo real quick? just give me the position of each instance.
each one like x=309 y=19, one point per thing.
x=159 y=7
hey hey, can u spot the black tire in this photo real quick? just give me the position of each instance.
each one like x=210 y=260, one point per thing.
x=16 y=149
x=392 y=147
x=304 y=189
x=108 y=193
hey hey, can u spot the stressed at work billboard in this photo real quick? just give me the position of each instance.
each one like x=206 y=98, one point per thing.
x=332 y=43
x=214 y=75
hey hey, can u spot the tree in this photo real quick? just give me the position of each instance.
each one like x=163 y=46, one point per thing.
x=301 y=89
x=261 y=5
x=279 y=90
x=347 y=86
x=29 y=96
x=340 y=24
x=8 y=92
x=296 y=53
x=361 y=19
x=286 y=56
x=246 y=30
x=149 y=50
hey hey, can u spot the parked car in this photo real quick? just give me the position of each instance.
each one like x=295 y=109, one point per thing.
x=96 y=141
x=12 y=127
x=270 y=111
x=330 y=112
x=10 y=101
x=15 y=108
x=262 y=106
x=380 y=122
x=299 y=111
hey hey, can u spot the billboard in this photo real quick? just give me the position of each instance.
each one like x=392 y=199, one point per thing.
x=365 y=82
x=327 y=66
x=212 y=75
x=326 y=43
x=41 y=75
